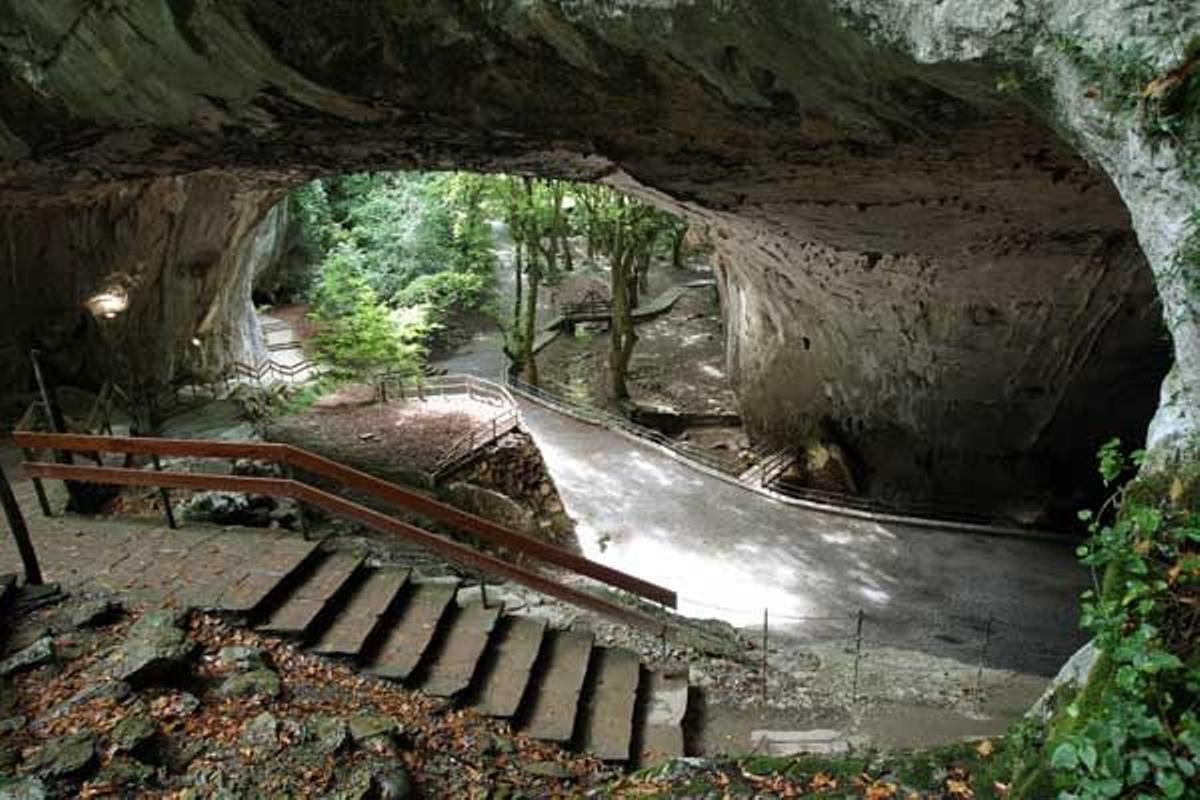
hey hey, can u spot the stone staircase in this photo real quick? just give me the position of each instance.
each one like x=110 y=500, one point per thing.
x=554 y=685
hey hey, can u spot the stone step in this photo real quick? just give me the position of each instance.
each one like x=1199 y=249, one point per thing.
x=661 y=733
x=298 y=612
x=369 y=602
x=518 y=642
x=555 y=704
x=453 y=667
x=608 y=713
x=266 y=572
x=406 y=640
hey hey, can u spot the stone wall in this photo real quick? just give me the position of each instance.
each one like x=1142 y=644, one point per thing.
x=511 y=486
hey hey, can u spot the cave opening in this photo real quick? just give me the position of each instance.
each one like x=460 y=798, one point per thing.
x=989 y=401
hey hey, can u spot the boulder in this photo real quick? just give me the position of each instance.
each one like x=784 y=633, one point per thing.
x=241 y=657
x=369 y=726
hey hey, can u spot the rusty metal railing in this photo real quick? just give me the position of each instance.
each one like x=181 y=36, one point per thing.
x=349 y=478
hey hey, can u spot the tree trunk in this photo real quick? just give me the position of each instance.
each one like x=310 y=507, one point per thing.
x=564 y=245
x=643 y=275
x=528 y=359
x=622 y=333
x=518 y=265
x=679 y=233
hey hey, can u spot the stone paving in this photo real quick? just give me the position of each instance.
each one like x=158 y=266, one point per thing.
x=196 y=565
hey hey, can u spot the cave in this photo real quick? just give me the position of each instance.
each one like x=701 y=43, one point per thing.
x=925 y=241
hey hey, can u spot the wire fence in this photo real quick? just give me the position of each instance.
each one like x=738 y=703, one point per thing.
x=878 y=655
x=764 y=476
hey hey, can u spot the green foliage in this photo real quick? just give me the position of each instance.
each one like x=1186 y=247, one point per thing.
x=357 y=334
x=444 y=291
x=405 y=225
x=1125 y=78
x=1135 y=729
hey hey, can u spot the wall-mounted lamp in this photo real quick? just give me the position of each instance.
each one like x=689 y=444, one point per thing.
x=108 y=304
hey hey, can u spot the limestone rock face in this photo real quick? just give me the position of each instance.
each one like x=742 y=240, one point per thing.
x=183 y=252
x=956 y=274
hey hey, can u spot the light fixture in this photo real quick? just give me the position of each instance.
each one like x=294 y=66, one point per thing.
x=108 y=304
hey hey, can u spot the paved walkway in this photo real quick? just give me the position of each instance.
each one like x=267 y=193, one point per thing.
x=196 y=565
x=731 y=553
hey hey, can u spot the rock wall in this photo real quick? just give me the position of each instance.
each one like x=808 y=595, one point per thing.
x=183 y=251
x=510 y=485
x=934 y=236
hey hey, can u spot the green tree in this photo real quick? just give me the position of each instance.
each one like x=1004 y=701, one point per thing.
x=356 y=332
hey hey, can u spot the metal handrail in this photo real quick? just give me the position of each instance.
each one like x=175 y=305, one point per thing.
x=345 y=476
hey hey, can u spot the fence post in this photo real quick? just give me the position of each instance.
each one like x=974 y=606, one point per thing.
x=38 y=488
x=16 y=523
x=303 y=518
x=165 y=494
x=857 y=655
x=987 y=639
x=483 y=589
x=764 y=658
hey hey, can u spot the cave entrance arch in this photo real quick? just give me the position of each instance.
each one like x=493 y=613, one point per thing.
x=906 y=251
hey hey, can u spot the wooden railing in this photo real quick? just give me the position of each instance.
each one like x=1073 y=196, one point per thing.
x=405 y=386
x=271 y=368
x=587 y=309
x=349 y=478
x=468 y=446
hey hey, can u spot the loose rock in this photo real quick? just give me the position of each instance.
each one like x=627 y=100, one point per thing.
x=132 y=732
x=329 y=734
x=94 y=613
x=155 y=649
x=262 y=731
x=65 y=756
x=259 y=683
x=35 y=655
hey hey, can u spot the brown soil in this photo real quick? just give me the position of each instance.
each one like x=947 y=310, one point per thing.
x=679 y=361
x=400 y=438
x=679 y=364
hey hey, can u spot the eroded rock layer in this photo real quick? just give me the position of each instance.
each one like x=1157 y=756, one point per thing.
x=910 y=252
x=149 y=278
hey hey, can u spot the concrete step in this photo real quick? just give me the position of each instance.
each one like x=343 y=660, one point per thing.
x=608 y=711
x=317 y=591
x=454 y=665
x=555 y=704
x=518 y=642
x=405 y=641
x=661 y=732
x=268 y=572
x=369 y=602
